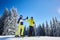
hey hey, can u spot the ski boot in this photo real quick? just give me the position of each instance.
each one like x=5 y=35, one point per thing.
x=16 y=35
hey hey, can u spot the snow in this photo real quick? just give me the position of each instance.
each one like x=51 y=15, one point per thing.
x=11 y=37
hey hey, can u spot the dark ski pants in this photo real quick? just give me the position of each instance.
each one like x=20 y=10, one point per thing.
x=31 y=31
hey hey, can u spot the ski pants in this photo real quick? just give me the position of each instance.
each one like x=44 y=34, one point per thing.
x=31 y=31
x=20 y=30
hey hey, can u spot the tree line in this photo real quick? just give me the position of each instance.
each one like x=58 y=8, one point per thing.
x=8 y=25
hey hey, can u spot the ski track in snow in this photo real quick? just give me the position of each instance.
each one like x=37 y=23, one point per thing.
x=10 y=37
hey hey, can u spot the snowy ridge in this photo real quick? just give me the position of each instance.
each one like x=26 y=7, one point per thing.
x=11 y=37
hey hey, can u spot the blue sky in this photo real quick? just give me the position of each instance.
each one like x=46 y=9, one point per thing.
x=41 y=10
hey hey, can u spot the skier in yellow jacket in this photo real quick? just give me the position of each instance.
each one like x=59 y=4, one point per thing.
x=31 y=26
x=20 y=27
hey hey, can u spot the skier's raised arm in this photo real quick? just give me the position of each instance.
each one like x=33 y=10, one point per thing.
x=18 y=20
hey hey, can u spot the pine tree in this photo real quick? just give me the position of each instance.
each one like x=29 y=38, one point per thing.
x=25 y=31
x=11 y=22
x=4 y=16
x=51 y=28
x=57 y=27
x=0 y=26
x=54 y=27
x=28 y=31
x=56 y=20
x=35 y=29
x=39 y=31
x=43 y=29
x=47 y=32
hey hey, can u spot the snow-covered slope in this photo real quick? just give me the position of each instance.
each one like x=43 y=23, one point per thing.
x=9 y=37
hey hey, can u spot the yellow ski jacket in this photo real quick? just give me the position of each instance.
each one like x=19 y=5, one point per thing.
x=31 y=22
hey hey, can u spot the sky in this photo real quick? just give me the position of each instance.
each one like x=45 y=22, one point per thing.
x=41 y=10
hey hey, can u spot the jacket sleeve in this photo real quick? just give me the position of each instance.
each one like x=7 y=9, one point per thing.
x=27 y=20
x=33 y=22
x=18 y=20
